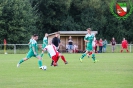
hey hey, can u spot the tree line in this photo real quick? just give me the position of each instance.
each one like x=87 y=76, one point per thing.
x=19 y=19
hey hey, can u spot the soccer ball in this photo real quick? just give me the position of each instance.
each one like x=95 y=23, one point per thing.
x=44 y=67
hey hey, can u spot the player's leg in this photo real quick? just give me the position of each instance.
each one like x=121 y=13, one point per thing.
x=29 y=55
x=63 y=58
x=54 y=59
x=42 y=54
x=83 y=55
x=21 y=61
x=89 y=53
x=93 y=57
x=127 y=50
x=126 y=47
x=93 y=53
x=39 y=61
x=121 y=49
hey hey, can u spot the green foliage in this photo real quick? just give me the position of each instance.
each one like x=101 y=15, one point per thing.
x=80 y=14
x=16 y=20
x=21 y=18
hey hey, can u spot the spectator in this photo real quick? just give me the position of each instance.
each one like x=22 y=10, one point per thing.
x=75 y=48
x=96 y=46
x=124 y=45
x=113 y=43
x=104 y=45
x=100 y=45
x=67 y=48
x=70 y=44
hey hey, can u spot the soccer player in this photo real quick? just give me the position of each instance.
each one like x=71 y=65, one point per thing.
x=54 y=53
x=88 y=39
x=56 y=42
x=45 y=43
x=124 y=45
x=33 y=52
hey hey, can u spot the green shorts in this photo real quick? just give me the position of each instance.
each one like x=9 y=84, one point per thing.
x=89 y=48
x=31 y=54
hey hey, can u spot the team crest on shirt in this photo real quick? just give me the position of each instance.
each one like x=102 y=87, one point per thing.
x=121 y=9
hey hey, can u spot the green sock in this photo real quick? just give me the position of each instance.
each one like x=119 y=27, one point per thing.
x=40 y=63
x=93 y=57
x=83 y=55
x=21 y=61
x=41 y=54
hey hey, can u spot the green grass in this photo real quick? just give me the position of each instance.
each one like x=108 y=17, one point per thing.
x=114 y=70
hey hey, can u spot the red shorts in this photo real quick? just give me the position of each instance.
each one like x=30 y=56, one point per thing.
x=55 y=57
x=124 y=47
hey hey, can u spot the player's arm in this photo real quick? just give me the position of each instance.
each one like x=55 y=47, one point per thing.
x=45 y=49
x=85 y=39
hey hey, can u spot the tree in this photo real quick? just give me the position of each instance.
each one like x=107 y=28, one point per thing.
x=17 y=20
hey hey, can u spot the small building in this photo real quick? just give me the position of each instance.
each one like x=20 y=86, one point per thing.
x=77 y=37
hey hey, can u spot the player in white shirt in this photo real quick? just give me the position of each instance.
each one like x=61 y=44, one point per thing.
x=51 y=49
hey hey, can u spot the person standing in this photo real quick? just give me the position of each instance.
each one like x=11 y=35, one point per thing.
x=33 y=52
x=89 y=48
x=70 y=44
x=53 y=53
x=104 y=45
x=113 y=43
x=100 y=45
x=45 y=43
x=124 y=45
x=56 y=42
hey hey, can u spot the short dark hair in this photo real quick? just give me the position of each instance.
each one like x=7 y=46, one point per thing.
x=35 y=35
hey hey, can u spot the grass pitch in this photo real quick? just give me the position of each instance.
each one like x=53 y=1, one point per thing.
x=114 y=70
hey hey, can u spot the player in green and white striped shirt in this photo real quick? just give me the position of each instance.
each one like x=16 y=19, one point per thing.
x=45 y=43
x=89 y=48
x=33 y=52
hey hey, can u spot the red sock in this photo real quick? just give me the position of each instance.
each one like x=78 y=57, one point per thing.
x=54 y=58
x=90 y=53
x=63 y=58
x=57 y=59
